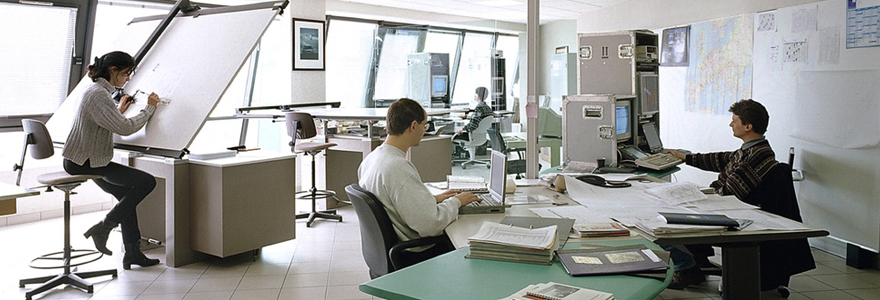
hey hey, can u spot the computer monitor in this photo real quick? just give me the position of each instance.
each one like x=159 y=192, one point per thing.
x=623 y=115
x=649 y=93
x=439 y=85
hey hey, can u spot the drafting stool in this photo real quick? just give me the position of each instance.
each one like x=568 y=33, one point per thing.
x=40 y=144
x=477 y=138
x=302 y=126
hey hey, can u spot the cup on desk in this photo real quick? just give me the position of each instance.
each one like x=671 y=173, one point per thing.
x=600 y=162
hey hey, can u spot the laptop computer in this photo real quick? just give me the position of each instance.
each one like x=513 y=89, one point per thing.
x=653 y=139
x=493 y=202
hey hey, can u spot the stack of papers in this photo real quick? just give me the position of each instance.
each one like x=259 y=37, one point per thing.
x=466 y=183
x=502 y=242
x=558 y=291
x=599 y=229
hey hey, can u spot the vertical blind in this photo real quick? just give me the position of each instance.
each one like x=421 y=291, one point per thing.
x=35 y=57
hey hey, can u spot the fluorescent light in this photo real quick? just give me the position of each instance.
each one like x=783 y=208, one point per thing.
x=498 y=3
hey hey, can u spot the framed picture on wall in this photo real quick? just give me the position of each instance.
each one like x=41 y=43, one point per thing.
x=674 y=47
x=308 y=44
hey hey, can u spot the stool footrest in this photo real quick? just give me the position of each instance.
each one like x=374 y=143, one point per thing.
x=59 y=256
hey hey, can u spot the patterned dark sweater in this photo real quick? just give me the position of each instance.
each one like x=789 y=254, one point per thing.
x=481 y=111
x=740 y=171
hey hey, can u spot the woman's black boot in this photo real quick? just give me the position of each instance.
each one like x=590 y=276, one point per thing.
x=134 y=256
x=100 y=233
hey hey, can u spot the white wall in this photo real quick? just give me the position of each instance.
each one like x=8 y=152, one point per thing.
x=306 y=86
x=840 y=190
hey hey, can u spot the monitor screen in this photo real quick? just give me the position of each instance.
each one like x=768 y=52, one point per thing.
x=649 y=93
x=439 y=85
x=622 y=113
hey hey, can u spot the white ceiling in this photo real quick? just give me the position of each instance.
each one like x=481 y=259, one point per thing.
x=501 y=10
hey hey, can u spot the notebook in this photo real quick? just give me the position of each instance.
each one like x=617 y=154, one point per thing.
x=493 y=202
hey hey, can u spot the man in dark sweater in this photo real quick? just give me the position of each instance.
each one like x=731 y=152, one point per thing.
x=739 y=172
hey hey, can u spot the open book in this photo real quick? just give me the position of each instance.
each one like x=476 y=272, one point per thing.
x=558 y=291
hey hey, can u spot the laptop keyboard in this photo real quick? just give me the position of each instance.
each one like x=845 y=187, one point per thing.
x=487 y=201
x=659 y=161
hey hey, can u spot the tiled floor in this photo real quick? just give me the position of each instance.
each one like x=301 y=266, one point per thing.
x=323 y=262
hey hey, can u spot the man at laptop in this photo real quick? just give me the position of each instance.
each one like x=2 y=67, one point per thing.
x=386 y=173
x=739 y=172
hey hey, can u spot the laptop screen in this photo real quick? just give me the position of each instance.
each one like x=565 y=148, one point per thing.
x=498 y=175
x=653 y=138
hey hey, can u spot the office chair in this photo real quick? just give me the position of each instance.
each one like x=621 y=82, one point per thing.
x=383 y=251
x=40 y=145
x=784 y=258
x=517 y=166
x=477 y=137
x=302 y=126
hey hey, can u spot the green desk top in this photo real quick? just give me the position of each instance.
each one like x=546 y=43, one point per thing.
x=452 y=276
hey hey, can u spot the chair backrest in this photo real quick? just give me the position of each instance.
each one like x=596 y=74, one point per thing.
x=377 y=231
x=39 y=143
x=479 y=136
x=776 y=193
x=300 y=125
x=549 y=122
x=496 y=141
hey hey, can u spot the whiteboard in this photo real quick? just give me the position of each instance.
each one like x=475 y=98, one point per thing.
x=190 y=67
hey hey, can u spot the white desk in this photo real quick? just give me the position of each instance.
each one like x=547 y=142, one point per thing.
x=741 y=266
x=8 y=194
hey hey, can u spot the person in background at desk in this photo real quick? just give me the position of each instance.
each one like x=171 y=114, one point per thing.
x=739 y=172
x=481 y=111
x=386 y=173
x=89 y=149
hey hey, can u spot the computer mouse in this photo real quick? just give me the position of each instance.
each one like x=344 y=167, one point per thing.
x=599 y=181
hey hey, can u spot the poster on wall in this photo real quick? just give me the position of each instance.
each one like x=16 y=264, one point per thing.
x=308 y=44
x=720 y=69
x=675 y=47
x=862 y=28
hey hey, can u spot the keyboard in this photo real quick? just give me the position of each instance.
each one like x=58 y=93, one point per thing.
x=659 y=161
x=487 y=201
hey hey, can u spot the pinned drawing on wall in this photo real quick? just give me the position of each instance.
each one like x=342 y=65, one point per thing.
x=675 y=47
x=308 y=44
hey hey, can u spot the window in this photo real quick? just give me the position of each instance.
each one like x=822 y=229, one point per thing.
x=349 y=53
x=37 y=69
x=474 y=68
x=391 y=75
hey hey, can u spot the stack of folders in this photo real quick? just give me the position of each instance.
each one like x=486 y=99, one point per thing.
x=612 y=260
x=510 y=243
x=558 y=291
x=600 y=229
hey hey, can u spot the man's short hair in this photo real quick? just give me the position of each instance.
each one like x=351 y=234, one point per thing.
x=482 y=92
x=751 y=112
x=401 y=114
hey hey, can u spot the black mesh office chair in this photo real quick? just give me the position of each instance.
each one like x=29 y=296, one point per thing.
x=517 y=166
x=40 y=145
x=301 y=125
x=382 y=250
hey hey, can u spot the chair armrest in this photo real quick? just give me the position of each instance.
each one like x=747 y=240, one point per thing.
x=396 y=250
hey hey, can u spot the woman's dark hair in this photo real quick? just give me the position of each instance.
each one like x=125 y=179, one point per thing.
x=101 y=67
x=752 y=112
x=482 y=92
x=401 y=114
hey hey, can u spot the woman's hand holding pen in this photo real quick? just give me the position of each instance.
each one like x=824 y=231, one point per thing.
x=153 y=100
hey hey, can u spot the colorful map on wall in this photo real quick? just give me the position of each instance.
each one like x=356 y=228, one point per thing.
x=720 y=70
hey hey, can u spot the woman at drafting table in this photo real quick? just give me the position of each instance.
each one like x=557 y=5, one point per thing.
x=89 y=149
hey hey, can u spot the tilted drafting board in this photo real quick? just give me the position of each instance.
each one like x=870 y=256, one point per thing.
x=190 y=67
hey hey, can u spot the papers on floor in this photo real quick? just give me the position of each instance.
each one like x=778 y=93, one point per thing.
x=511 y=243
x=558 y=291
x=677 y=193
